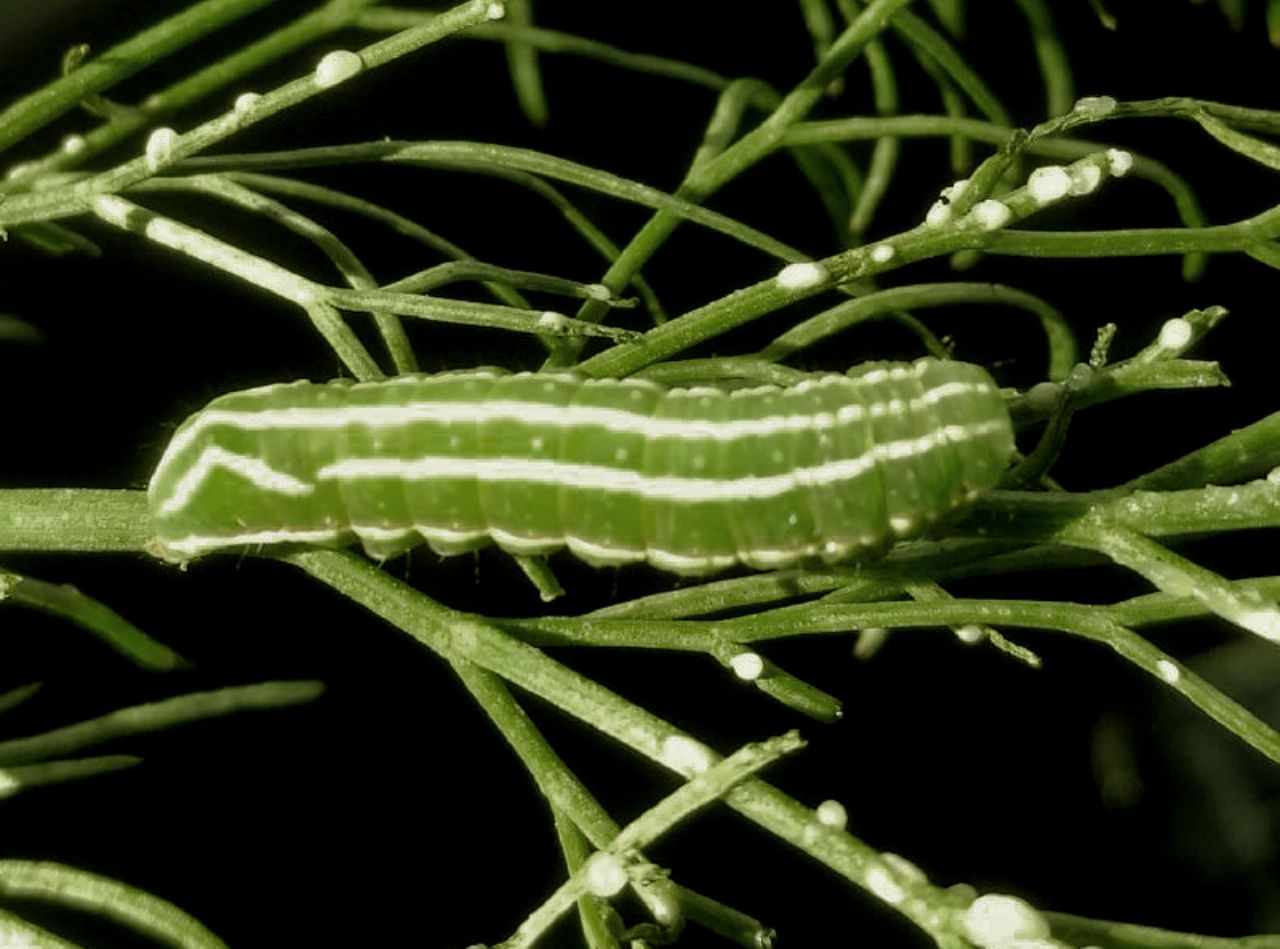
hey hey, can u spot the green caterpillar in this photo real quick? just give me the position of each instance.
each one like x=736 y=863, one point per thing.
x=691 y=480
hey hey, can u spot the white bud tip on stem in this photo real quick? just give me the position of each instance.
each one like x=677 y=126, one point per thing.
x=1168 y=671
x=73 y=144
x=883 y=253
x=337 y=66
x=160 y=147
x=1119 y=162
x=1048 y=184
x=495 y=11
x=802 y=276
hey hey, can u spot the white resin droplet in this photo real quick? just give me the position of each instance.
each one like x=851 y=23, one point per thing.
x=1169 y=671
x=938 y=215
x=1175 y=334
x=1084 y=178
x=337 y=66
x=495 y=11
x=159 y=149
x=604 y=874
x=881 y=882
x=246 y=101
x=1119 y=162
x=1049 y=183
x=686 y=756
x=802 y=276
x=1095 y=106
x=1266 y=623
x=73 y=144
x=970 y=634
x=832 y=814
x=902 y=868
x=995 y=920
x=552 y=321
x=747 y=666
x=598 y=291
x=883 y=253
x=991 y=214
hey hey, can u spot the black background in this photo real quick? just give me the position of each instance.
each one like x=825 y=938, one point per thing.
x=390 y=811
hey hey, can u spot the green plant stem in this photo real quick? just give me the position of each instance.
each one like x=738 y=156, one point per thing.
x=78 y=889
x=681 y=804
x=89 y=521
x=454 y=635
x=66 y=601
x=340 y=255
x=552 y=41
x=706 y=178
x=810 y=332
x=330 y=17
x=77 y=197
x=156 y=716
x=1081 y=931
x=119 y=62
x=25 y=777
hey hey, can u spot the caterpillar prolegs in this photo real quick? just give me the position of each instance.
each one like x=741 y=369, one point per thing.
x=692 y=480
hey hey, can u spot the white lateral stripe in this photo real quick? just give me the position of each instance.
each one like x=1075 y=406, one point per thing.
x=549 y=471
x=560 y=416
x=251 y=469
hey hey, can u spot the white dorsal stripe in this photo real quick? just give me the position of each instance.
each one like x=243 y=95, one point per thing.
x=249 y=468
x=560 y=416
x=549 y=471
